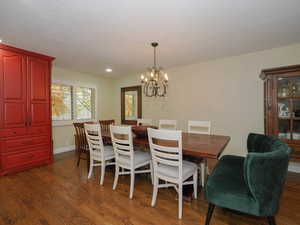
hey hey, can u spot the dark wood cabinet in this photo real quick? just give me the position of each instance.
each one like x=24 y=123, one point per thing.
x=25 y=117
x=282 y=105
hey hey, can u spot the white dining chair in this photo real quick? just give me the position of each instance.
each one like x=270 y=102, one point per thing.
x=126 y=157
x=144 y=122
x=100 y=155
x=167 y=124
x=169 y=166
x=200 y=127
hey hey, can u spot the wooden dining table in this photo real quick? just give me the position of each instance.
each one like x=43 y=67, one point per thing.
x=196 y=145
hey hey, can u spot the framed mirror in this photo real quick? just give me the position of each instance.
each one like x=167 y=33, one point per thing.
x=131 y=104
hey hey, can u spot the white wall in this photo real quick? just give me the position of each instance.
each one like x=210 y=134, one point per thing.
x=226 y=91
x=63 y=136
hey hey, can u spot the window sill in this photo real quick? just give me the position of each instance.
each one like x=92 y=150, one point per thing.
x=69 y=122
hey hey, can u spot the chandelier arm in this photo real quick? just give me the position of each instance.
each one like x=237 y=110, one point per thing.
x=154 y=90
x=164 y=91
x=147 y=90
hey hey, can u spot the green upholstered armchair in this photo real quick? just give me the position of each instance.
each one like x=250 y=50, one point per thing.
x=251 y=184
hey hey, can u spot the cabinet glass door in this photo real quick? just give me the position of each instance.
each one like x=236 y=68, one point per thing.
x=288 y=108
x=284 y=108
x=295 y=86
x=283 y=87
x=284 y=129
x=296 y=117
x=296 y=130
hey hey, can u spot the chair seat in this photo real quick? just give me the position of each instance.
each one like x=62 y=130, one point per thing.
x=226 y=186
x=108 y=153
x=188 y=169
x=140 y=158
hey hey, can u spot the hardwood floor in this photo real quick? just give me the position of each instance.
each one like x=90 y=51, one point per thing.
x=60 y=194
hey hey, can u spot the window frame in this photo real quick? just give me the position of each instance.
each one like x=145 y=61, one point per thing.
x=73 y=86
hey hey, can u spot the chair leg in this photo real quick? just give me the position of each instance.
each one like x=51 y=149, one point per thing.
x=210 y=211
x=195 y=179
x=151 y=172
x=179 y=201
x=78 y=160
x=116 y=177
x=203 y=172
x=155 y=190
x=88 y=160
x=102 y=172
x=91 y=169
x=132 y=175
x=271 y=220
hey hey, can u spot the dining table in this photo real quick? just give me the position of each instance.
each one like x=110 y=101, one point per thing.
x=202 y=146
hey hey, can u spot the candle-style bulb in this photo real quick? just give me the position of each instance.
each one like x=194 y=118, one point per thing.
x=166 y=77
x=142 y=77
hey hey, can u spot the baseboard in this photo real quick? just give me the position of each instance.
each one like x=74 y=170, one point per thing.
x=294 y=167
x=64 y=149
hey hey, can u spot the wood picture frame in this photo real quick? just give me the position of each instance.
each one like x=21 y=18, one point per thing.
x=138 y=89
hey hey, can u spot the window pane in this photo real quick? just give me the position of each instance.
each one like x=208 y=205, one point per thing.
x=61 y=102
x=83 y=106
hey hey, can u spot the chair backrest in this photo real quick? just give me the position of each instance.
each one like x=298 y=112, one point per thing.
x=105 y=124
x=81 y=142
x=121 y=137
x=265 y=170
x=94 y=138
x=167 y=124
x=263 y=143
x=144 y=122
x=166 y=148
x=199 y=127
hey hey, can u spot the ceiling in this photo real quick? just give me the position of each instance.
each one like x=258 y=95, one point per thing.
x=91 y=35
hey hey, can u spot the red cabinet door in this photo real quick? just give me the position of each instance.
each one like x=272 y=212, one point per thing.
x=38 y=96
x=12 y=90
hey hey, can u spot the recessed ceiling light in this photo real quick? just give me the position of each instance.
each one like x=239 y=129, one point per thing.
x=109 y=70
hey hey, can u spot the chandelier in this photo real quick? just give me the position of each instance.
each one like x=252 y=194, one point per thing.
x=154 y=80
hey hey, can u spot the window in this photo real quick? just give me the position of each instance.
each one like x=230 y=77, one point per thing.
x=61 y=102
x=83 y=106
x=71 y=102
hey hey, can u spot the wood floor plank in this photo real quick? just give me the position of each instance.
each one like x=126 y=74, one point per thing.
x=60 y=194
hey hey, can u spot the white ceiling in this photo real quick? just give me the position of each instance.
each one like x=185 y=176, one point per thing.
x=91 y=35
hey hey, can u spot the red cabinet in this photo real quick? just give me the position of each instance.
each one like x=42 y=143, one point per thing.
x=25 y=118
x=13 y=89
